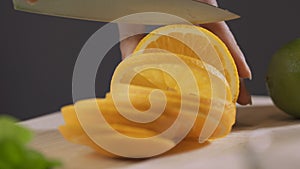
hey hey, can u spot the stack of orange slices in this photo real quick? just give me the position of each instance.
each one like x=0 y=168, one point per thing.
x=175 y=70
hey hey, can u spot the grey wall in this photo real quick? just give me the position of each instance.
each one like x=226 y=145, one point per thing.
x=37 y=53
x=37 y=56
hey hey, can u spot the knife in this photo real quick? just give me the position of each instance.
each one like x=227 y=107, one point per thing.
x=109 y=10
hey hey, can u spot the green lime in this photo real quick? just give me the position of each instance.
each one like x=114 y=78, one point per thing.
x=283 y=78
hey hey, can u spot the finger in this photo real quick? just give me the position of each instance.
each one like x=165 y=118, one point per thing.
x=128 y=45
x=223 y=32
x=130 y=35
x=244 y=96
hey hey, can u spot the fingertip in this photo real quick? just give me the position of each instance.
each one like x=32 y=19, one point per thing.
x=244 y=96
x=244 y=70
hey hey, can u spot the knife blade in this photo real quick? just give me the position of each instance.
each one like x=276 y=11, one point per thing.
x=109 y=10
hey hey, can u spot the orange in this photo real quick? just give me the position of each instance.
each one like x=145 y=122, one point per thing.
x=189 y=66
x=195 y=42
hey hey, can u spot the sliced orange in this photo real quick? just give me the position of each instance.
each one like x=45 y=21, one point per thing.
x=139 y=96
x=74 y=132
x=152 y=71
x=190 y=68
x=195 y=42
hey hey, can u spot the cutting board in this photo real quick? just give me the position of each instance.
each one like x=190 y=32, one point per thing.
x=262 y=137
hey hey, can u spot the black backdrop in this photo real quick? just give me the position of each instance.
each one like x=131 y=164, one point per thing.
x=38 y=53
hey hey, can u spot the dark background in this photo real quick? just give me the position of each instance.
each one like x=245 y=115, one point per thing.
x=38 y=53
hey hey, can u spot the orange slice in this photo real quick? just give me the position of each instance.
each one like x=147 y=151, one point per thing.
x=195 y=42
x=74 y=132
x=154 y=70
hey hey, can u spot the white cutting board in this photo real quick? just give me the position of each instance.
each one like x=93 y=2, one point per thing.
x=263 y=137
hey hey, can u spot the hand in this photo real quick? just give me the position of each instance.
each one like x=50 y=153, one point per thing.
x=221 y=29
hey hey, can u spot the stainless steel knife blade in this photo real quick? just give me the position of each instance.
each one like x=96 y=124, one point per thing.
x=110 y=10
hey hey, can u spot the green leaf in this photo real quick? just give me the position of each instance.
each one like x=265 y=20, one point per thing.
x=36 y=160
x=13 y=151
x=9 y=129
